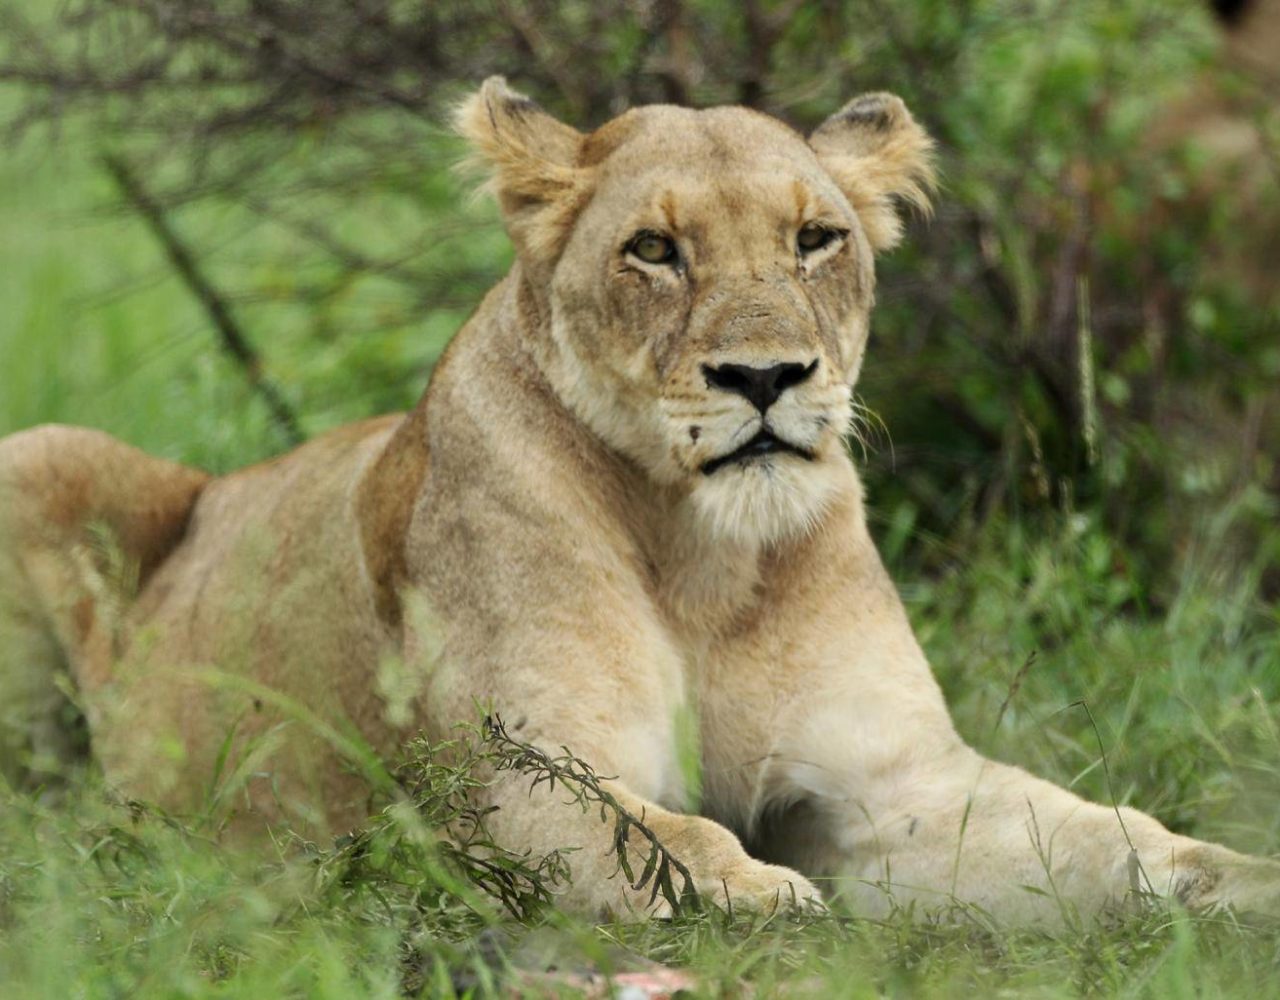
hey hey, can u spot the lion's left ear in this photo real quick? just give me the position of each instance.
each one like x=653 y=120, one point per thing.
x=878 y=155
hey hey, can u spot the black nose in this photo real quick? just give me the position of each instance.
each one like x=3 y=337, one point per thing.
x=762 y=386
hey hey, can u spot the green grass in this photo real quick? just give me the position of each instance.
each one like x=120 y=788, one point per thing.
x=102 y=900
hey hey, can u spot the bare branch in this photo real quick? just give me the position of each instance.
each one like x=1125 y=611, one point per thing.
x=231 y=337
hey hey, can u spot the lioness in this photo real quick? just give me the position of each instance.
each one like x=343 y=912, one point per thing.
x=625 y=499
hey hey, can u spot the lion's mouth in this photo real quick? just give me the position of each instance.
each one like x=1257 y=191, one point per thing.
x=764 y=443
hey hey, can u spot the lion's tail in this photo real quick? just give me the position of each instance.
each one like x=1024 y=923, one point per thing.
x=84 y=519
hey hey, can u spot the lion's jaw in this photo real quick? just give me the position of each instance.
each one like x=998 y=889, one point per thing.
x=777 y=495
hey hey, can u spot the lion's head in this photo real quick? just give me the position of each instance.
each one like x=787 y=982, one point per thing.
x=705 y=279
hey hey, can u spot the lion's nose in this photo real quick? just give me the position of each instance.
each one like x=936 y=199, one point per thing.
x=762 y=386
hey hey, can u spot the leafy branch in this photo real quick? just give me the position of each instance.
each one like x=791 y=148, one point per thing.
x=660 y=867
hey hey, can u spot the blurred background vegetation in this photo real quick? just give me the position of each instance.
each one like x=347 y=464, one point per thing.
x=1089 y=323
x=229 y=224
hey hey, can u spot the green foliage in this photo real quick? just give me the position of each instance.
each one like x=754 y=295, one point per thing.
x=1094 y=289
x=98 y=899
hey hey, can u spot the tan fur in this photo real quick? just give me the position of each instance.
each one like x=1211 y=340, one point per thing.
x=539 y=539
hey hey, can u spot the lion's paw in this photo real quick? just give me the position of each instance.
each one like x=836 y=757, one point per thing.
x=758 y=886
x=753 y=886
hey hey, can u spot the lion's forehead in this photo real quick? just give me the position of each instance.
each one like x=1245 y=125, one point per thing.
x=704 y=134
x=715 y=174
x=679 y=143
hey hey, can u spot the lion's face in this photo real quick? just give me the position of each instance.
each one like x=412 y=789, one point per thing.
x=708 y=281
x=715 y=291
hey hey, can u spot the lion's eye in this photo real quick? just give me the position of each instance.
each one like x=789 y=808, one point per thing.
x=814 y=237
x=653 y=248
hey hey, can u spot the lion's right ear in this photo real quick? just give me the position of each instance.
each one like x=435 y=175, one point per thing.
x=532 y=159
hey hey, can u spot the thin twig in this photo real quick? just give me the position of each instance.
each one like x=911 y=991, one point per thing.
x=1014 y=686
x=231 y=337
x=1111 y=793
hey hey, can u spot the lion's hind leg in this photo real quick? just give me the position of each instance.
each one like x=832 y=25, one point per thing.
x=83 y=518
x=38 y=726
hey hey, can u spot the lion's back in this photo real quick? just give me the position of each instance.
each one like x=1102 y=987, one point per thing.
x=262 y=617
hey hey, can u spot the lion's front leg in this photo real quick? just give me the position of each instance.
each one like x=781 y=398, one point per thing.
x=948 y=827
x=603 y=685
x=855 y=775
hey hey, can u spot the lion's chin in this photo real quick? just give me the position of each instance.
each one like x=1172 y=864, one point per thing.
x=765 y=501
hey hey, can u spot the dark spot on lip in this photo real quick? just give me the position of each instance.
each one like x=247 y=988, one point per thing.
x=911 y=827
x=695 y=432
x=764 y=443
